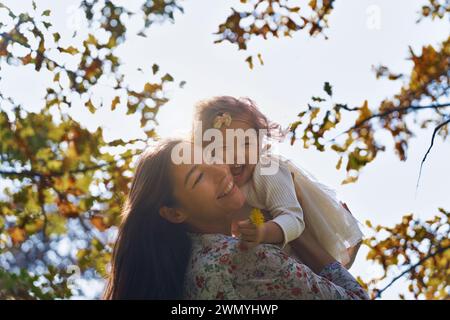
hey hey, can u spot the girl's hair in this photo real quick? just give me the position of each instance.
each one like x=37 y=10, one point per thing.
x=243 y=109
x=151 y=254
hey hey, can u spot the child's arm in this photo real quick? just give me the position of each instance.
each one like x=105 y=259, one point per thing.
x=272 y=233
x=277 y=193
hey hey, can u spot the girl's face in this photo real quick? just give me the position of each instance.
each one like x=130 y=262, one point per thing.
x=206 y=194
x=242 y=172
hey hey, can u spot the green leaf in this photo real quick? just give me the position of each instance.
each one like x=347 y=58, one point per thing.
x=56 y=224
x=70 y=50
x=167 y=77
x=318 y=99
x=90 y=106
x=56 y=36
x=328 y=89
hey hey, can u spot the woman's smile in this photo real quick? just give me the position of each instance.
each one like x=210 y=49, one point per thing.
x=229 y=189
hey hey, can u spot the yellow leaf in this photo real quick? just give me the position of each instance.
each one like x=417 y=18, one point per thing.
x=151 y=87
x=350 y=180
x=339 y=163
x=364 y=112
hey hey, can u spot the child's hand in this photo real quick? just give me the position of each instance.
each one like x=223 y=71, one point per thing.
x=250 y=234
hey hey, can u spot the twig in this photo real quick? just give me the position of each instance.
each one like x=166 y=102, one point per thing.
x=436 y=130
x=42 y=205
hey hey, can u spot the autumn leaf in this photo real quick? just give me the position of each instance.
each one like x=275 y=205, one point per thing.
x=349 y=180
x=73 y=170
x=90 y=106
x=115 y=102
x=98 y=222
x=249 y=60
x=62 y=172
x=70 y=50
x=18 y=235
x=261 y=62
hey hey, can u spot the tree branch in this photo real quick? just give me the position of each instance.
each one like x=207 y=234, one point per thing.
x=34 y=174
x=411 y=268
x=386 y=113
x=390 y=111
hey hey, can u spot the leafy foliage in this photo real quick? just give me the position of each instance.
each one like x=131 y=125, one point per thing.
x=27 y=286
x=357 y=144
x=419 y=250
x=63 y=181
x=435 y=9
x=272 y=18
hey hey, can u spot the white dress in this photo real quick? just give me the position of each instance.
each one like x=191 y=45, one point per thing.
x=332 y=225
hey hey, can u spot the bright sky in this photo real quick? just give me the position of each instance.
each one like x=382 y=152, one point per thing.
x=294 y=70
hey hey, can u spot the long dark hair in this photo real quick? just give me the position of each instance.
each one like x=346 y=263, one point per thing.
x=151 y=254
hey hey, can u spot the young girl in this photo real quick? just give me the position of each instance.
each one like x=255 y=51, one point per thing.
x=331 y=223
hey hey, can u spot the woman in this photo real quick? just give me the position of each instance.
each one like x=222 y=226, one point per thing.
x=175 y=242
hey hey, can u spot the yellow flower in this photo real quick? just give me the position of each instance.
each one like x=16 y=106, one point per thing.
x=256 y=217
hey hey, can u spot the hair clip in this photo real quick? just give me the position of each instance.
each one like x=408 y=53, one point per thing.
x=223 y=119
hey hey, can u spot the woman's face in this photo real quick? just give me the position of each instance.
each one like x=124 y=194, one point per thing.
x=206 y=194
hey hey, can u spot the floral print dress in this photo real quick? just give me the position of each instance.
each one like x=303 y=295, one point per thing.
x=219 y=269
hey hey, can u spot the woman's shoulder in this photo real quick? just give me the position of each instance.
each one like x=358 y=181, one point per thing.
x=211 y=251
x=209 y=244
x=210 y=270
x=216 y=241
